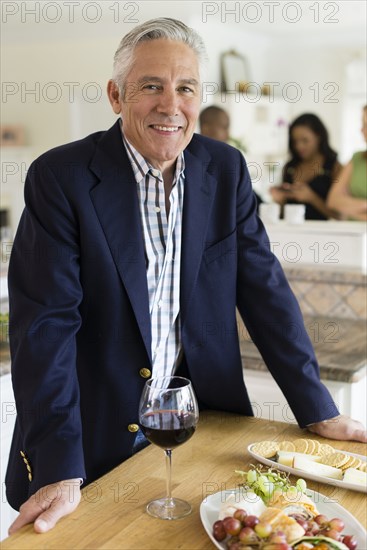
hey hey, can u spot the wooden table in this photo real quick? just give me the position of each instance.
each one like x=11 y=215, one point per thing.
x=112 y=512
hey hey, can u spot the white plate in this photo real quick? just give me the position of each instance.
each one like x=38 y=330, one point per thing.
x=209 y=510
x=308 y=475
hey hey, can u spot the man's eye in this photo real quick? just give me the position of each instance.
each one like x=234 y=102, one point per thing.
x=151 y=87
x=186 y=89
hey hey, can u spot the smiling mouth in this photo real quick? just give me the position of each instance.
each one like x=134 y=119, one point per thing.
x=161 y=128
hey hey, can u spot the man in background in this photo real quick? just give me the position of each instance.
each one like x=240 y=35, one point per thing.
x=215 y=123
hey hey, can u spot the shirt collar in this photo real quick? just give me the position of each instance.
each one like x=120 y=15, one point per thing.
x=141 y=167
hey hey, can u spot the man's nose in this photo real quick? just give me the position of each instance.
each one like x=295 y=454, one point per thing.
x=168 y=103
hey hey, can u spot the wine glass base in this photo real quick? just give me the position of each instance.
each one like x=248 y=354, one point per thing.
x=173 y=508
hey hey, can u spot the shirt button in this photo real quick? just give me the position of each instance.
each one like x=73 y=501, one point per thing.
x=160 y=304
x=145 y=373
x=133 y=428
x=157 y=209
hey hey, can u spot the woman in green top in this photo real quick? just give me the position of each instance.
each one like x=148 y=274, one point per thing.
x=348 y=195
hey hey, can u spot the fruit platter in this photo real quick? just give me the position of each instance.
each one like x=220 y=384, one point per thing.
x=267 y=512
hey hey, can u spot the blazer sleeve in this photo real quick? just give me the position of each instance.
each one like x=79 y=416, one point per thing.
x=273 y=317
x=44 y=295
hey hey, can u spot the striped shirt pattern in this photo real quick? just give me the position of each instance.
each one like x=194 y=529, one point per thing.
x=162 y=243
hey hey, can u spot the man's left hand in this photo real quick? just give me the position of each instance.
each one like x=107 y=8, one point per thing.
x=342 y=428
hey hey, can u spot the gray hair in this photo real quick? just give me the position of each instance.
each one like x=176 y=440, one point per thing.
x=154 y=29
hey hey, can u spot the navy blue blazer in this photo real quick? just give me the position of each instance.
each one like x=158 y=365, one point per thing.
x=79 y=315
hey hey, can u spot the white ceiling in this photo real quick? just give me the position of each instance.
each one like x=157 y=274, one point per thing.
x=32 y=21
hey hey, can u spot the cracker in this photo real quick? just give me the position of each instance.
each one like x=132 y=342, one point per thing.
x=317 y=447
x=336 y=460
x=310 y=447
x=287 y=446
x=363 y=466
x=266 y=449
x=301 y=445
x=325 y=449
x=353 y=462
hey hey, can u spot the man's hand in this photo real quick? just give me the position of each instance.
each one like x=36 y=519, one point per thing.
x=341 y=427
x=48 y=505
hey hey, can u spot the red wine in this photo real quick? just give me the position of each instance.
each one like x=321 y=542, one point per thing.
x=168 y=429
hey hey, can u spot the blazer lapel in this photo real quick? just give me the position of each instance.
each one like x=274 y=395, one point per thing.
x=115 y=200
x=198 y=197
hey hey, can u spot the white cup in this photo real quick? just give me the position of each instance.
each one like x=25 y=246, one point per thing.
x=294 y=213
x=269 y=212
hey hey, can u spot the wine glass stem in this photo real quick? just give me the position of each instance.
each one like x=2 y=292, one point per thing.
x=168 y=454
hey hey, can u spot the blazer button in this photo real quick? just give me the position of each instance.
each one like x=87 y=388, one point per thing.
x=133 y=428
x=145 y=373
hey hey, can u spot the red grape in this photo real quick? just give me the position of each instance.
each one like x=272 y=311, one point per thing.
x=251 y=521
x=248 y=536
x=337 y=524
x=240 y=514
x=219 y=533
x=321 y=519
x=232 y=526
x=350 y=542
x=313 y=527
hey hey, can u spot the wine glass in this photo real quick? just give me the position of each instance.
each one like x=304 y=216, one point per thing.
x=168 y=415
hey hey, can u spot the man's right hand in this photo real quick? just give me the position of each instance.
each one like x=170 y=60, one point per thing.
x=48 y=505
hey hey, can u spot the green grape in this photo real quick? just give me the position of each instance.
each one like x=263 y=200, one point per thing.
x=261 y=480
x=251 y=476
x=269 y=488
x=302 y=485
x=263 y=529
x=265 y=482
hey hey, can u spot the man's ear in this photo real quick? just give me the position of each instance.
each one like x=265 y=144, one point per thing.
x=114 y=96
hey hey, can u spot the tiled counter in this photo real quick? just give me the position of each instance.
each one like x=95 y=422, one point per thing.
x=331 y=293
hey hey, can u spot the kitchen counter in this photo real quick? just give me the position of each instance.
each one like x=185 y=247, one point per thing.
x=340 y=346
x=112 y=512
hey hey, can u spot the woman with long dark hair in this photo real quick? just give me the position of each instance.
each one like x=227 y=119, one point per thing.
x=308 y=175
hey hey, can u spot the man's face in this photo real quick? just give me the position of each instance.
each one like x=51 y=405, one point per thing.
x=161 y=102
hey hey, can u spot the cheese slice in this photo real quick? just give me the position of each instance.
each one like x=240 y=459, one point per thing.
x=286 y=457
x=316 y=468
x=351 y=475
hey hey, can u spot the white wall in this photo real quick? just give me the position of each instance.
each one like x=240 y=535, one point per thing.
x=67 y=63
x=36 y=54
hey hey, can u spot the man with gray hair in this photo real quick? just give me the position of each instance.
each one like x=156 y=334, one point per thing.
x=134 y=249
